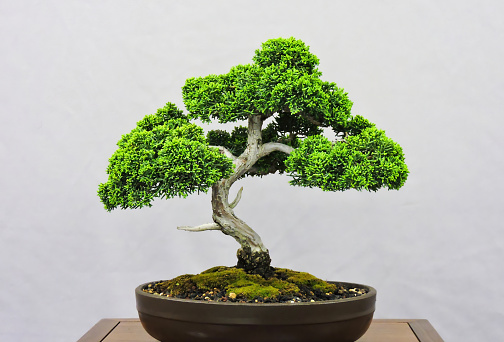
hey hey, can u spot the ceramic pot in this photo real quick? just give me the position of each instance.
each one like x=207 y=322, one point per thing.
x=171 y=319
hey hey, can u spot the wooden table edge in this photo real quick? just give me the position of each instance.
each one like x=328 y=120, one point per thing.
x=422 y=328
x=103 y=328
x=424 y=331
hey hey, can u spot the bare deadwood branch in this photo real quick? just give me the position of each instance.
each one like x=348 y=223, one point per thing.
x=237 y=199
x=273 y=146
x=203 y=227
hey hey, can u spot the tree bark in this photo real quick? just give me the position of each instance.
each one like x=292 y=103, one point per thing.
x=253 y=256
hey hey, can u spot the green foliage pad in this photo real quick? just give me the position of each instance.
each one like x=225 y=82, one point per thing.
x=368 y=160
x=164 y=156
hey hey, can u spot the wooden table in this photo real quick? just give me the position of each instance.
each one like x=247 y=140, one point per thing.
x=381 y=330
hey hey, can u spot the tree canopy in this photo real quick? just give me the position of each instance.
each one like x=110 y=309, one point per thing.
x=164 y=156
x=167 y=155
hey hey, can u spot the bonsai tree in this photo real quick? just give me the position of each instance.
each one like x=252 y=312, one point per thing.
x=167 y=155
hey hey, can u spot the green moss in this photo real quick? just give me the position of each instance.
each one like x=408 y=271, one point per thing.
x=284 y=287
x=179 y=285
x=247 y=286
x=305 y=279
x=216 y=269
x=253 y=286
x=254 y=291
x=218 y=278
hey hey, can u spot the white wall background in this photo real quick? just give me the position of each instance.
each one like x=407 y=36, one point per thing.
x=75 y=75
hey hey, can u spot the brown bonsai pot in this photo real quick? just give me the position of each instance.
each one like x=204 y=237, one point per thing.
x=171 y=319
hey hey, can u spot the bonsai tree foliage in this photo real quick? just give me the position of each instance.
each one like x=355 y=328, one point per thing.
x=167 y=155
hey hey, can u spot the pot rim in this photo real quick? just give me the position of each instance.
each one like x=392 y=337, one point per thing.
x=212 y=312
x=371 y=292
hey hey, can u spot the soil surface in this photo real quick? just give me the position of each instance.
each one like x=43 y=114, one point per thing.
x=234 y=285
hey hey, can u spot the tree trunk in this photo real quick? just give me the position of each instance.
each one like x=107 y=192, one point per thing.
x=253 y=256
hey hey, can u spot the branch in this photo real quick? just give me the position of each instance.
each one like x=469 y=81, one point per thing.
x=272 y=147
x=254 y=171
x=226 y=152
x=203 y=227
x=310 y=119
x=237 y=199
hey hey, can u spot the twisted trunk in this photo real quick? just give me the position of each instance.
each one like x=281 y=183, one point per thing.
x=253 y=256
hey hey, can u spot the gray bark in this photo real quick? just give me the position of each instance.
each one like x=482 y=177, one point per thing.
x=253 y=256
x=223 y=214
